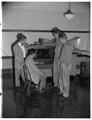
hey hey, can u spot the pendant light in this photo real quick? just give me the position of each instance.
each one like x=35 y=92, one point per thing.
x=69 y=14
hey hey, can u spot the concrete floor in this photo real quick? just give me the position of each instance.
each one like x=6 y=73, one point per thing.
x=48 y=105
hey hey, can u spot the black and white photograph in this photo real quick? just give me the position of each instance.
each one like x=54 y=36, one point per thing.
x=45 y=54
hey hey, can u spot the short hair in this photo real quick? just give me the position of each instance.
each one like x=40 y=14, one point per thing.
x=30 y=52
x=62 y=35
x=20 y=36
x=55 y=30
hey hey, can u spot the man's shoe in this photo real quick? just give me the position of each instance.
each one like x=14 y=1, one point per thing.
x=18 y=89
x=60 y=94
x=66 y=95
x=42 y=91
x=63 y=98
x=55 y=88
x=37 y=88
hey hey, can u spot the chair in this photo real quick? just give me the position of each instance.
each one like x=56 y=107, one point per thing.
x=29 y=85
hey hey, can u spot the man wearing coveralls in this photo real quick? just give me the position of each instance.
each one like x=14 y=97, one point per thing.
x=65 y=64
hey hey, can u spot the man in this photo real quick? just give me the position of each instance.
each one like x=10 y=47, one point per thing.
x=55 y=32
x=65 y=64
x=19 y=55
x=37 y=75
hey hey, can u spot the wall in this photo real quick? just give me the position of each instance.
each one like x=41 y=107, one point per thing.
x=10 y=37
x=43 y=16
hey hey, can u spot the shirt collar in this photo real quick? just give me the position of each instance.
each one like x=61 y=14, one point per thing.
x=19 y=44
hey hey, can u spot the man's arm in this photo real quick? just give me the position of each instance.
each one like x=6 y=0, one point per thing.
x=48 y=40
x=26 y=45
x=77 y=50
x=74 y=39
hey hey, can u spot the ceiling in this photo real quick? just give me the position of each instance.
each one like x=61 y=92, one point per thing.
x=48 y=6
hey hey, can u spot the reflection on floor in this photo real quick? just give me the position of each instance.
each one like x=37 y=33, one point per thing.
x=48 y=105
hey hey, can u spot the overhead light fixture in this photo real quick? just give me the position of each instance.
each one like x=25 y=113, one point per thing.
x=69 y=14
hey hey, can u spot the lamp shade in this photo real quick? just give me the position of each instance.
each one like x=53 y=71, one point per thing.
x=69 y=15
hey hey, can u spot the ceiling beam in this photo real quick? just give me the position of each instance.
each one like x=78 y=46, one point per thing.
x=27 y=30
